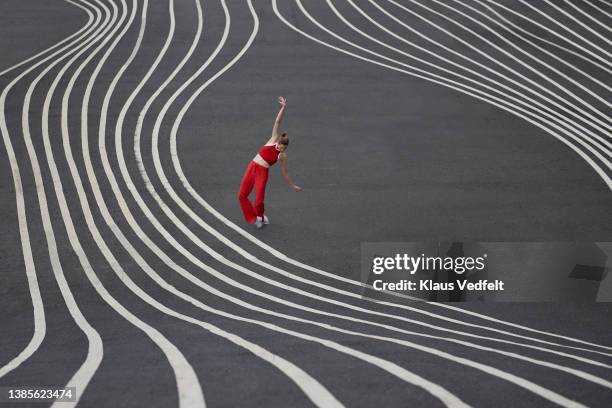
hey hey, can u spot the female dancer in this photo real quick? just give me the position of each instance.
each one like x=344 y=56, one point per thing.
x=256 y=174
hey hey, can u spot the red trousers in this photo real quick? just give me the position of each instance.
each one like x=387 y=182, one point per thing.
x=254 y=176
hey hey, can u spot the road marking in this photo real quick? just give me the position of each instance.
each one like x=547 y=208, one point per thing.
x=37 y=302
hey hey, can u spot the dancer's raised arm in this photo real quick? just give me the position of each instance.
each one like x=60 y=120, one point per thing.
x=279 y=118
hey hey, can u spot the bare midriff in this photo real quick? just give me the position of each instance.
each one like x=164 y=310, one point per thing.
x=260 y=160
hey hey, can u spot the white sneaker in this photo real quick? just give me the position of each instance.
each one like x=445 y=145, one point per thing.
x=259 y=223
x=266 y=221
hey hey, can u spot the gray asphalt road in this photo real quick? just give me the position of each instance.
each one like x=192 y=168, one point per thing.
x=124 y=282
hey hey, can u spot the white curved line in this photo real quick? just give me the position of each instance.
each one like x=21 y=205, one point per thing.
x=606 y=2
x=166 y=210
x=556 y=34
x=285 y=258
x=544 y=50
x=392 y=293
x=590 y=17
x=392 y=368
x=580 y=23
x=318 y=271
x=65 y=40
x=152 y=219
x=195 y=239
x=576 y=53
x=139 y=232
x=466 y=43
x=37 y=303
x=175 y=160
x=282 y=256
x=312 y=388
x=522 y=63
x=88 y=368
x=193 y=215
x=557 y=118
x=602 y=11
x=189 y=390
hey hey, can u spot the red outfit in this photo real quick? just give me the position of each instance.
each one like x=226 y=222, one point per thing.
x=269 y=153
x=256 y=176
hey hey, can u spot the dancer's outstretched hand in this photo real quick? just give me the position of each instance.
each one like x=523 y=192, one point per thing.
x=297 y=188
x=282 y=101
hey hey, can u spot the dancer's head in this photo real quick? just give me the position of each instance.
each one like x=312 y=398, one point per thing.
x=283 y=142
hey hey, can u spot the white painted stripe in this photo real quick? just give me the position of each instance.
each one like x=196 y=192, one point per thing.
x=598 y=8
x=155 y=250
x=59 y=43
x=466 y=43
x=169 y=189
x=587 y=15
x=544 y=50
x=312 y=388
x=318 y=271
x=251 y=290
x=37 y=302
x=606 y=120
x=566 y=26
x=451 y=401
x=195 y=239
x=558 y=118
x=189 y=390
x=539 y=38
x=315 y=397
x=285 y=258
x=88 y=368
x=194 y=216
x=553 y=32
x=403 y=296
x=190 y=213
x=207 y=208
x=126 y=244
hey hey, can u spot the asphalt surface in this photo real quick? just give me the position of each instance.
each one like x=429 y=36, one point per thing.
x=381 y=156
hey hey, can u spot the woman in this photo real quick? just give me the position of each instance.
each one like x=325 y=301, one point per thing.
x=256 y=174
